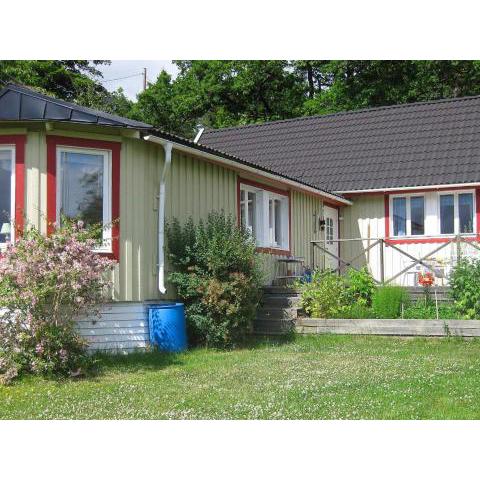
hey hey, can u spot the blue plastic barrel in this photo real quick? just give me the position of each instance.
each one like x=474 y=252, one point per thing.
x=168 y=330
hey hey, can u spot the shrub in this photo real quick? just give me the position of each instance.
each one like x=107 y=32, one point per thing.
x=355 y=311
x=465 y=287
x=427 y=310
x=360 y=287
x=387 y=301
x=325 y=296
x=217 y=276
x=45 y=283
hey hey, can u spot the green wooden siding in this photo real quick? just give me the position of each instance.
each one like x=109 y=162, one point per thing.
x=194 y=188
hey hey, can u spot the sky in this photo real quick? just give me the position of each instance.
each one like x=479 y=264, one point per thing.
x=133 y=69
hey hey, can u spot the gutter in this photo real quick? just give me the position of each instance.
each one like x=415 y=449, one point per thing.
x=419 y=187
x=239 y=165
x=167 y=146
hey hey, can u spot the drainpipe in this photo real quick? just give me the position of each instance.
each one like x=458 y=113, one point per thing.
x=167 y=146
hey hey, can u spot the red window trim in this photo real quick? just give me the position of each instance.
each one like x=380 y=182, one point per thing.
x=286 y=193
x=54 y=141
x=18 y=141
x=397 y=241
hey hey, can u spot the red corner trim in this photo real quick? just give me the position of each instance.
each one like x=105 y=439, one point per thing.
x=386 y=201
x=18 y=141
x=286 y=193
x=53 y=141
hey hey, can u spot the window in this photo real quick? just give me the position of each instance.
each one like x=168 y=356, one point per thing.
x=84 y=188
x=265 y=215
x=408 y=215
x=457 y=213
x=465 y=212
x=329 y=231
x=447 y=214
x=7 y=193
x=417 y=215
x=399 y=216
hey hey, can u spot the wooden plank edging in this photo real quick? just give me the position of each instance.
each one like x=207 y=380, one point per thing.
x=399 y=327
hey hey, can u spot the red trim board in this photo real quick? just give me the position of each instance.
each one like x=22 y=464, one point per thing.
x=18 y=141
x=286 y=193
x=53 y=142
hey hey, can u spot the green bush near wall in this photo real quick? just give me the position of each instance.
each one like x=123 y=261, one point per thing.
x=217 y=276
x=388 y=300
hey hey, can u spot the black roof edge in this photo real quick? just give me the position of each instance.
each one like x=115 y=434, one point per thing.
x=121 y=122
x=342 y=113
x=203 y=148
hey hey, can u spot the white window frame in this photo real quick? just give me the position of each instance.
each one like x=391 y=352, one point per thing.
x=106 y=246
x=11 y=149
x=263 y=235
x=407 y=197
x=456 y=216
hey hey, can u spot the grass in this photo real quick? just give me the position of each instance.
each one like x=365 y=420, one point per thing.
x=316 y=377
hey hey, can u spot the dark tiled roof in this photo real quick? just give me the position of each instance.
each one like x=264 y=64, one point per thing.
x=22 y=103
x=431 y=143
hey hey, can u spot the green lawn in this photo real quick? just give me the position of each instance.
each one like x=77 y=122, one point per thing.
x=318 y=377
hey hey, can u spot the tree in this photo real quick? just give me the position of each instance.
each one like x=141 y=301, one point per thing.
x=221 y=93
x=71 y=80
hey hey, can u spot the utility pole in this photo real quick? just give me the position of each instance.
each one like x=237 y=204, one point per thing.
x=144 y=79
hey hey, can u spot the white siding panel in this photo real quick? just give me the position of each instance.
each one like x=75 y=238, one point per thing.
x=121 y=327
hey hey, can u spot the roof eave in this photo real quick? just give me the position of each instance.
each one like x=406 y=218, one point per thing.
x=184 y=144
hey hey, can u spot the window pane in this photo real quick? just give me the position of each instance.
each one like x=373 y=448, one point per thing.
x=251 y=211
x=278 y=222
x=82 y=187
x=242 y=215
x=447 y=214
x=399 y=216
x=465 y=212
x=5 y=193
x=417 y=215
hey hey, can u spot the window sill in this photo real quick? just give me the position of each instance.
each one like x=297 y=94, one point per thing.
x=433 y=239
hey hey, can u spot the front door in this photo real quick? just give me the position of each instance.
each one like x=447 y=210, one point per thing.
x=331 y=234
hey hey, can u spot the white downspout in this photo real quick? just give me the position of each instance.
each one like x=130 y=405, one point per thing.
x=167 y=146
x=161 y=218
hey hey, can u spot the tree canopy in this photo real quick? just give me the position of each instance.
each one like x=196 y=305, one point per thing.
x=71 y=80
x=222 y=93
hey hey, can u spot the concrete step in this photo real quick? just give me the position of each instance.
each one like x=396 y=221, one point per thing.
x=273 y=327
x=273 y=313
x=280 y=301
x=286 y=291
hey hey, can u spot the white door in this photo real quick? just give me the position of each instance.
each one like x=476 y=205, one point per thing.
x=331 y=234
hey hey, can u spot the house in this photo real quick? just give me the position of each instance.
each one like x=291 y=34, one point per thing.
x=407 y=175
x=57 y=157
x=411 y=171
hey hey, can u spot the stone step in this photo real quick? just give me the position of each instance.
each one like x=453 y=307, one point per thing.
x=286 y=291
x=279 y=301
x=273 y=313
x=273 y=327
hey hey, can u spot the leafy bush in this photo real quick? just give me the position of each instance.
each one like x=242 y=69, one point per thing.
x=356 y=310
x=427 y=310
x=387 y=301
x=360 y=287
x=465 y=287
x=216 y=276
x=45 y=283
x=325 y=296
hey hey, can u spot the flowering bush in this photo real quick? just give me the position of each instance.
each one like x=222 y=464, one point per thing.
x=45 y=283
x=217 y=276
x=465 y=287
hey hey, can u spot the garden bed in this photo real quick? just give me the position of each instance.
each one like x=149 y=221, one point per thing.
x=399 y=327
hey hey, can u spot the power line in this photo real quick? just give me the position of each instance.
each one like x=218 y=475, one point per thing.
x=121 y=78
